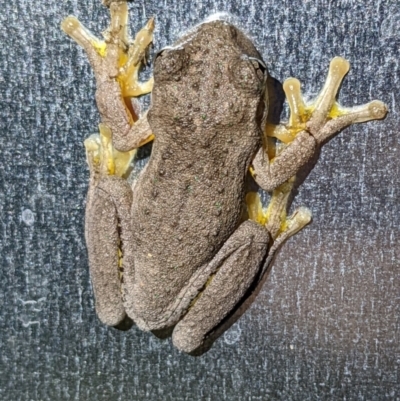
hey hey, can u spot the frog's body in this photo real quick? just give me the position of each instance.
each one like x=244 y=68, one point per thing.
x=192 y=190
x=187 y=259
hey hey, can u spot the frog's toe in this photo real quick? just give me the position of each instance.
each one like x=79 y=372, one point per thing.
x=103 y=159
x=328 y=117
x=375 y=110
x=323 y=117
x=135 y=58
x=323 y=105
x=93 y=46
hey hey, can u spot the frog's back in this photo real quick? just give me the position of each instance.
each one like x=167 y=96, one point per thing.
x=206 y=114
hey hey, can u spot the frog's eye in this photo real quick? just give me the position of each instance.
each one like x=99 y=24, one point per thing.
x=169 y=64
x=249 y=74
x=260 y=68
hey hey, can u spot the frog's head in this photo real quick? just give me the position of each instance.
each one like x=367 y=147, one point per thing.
x=212 y=77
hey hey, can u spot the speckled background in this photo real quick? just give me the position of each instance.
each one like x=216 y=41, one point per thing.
x=326 y=324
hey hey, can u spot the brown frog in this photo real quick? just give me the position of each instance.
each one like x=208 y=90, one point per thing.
x=173 y=250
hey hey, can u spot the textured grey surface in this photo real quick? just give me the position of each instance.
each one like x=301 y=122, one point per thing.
x=326 y=324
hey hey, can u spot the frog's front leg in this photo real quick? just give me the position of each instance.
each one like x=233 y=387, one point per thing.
x=309 y=126
x=116 y=62
x=236 y=268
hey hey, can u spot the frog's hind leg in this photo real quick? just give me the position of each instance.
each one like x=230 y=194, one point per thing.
x=237 y=268
x=107 y=224
x=236 y=265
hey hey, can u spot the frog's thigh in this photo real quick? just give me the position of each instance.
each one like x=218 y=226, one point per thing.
x=107 y=227
x=241 y=259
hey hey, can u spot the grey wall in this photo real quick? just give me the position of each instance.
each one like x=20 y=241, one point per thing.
x=326 y=324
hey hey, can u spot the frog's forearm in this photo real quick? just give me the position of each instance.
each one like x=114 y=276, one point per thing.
x=138 y=135
x=127 y=134
x=270 y=174
x=113 y=111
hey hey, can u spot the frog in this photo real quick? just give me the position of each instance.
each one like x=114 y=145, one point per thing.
x=183 y=245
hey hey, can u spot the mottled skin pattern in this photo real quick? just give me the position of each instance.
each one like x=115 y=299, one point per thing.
x=187 y=259
x=192 y=190
x=198 y=163
x=207 y=116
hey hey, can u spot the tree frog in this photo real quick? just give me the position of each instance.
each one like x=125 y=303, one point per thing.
x=173 y=250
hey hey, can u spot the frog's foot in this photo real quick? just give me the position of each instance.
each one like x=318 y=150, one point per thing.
x=116 y=62
x=309 y=126
x=117 y=56
x=323 y=117
x=103 y=159
x=274 y=217
x=280 y=226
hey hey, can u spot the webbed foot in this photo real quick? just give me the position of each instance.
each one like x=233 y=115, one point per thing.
x=309 y=126
x=323 y=117
x=103 y=159
x=117 y=56
x=274 y=217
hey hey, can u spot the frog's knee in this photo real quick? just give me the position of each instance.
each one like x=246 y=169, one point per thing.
x=239 y=262
x=187 y=337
